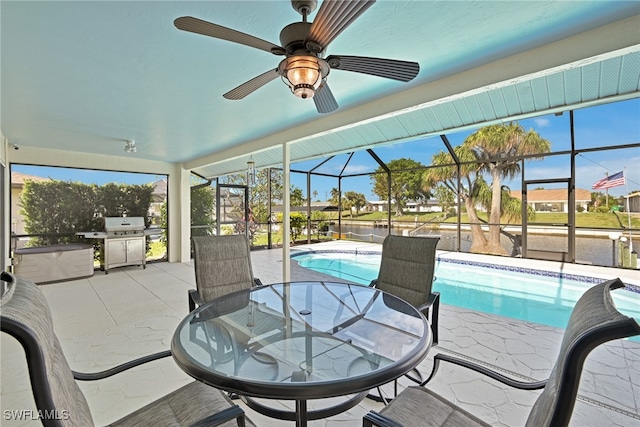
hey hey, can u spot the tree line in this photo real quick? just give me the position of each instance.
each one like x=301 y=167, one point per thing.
x=492 y=152
x=55 y=210
x=481 y=163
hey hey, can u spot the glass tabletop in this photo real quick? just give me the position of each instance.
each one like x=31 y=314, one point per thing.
x=301 y=340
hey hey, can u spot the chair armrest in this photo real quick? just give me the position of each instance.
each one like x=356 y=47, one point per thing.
x=433 y=302
x=433 y=298
x=372 y=418
x=373 y=283
x=194 y=299
x=522 y=385
x=81 y=376
x=257 y=282
x=222 y=417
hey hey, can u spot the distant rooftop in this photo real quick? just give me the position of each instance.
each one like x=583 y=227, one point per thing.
x=553 y=195
x=18 y=179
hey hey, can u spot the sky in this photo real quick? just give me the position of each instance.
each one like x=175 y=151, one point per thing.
x=87 y=176
x=606 y=125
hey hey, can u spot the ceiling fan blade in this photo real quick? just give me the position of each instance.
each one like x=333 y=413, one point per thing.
x=333 y=17
x=389 y=68
x=255 y=83
x=198 y=26
x=324 y=100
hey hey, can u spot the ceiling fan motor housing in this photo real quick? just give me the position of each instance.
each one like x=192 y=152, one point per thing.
x=292 y=38
x=303 y=70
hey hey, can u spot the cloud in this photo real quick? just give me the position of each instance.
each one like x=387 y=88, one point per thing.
x=353 y=169
x=588 y=171
x=542 y=122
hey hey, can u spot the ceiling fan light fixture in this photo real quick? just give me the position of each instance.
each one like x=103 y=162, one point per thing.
x=303 y=74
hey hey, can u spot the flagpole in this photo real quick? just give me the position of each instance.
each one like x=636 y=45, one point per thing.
x=606 y=193
x=628 y=212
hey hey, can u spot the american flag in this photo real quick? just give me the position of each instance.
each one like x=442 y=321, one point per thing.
x=614 y=180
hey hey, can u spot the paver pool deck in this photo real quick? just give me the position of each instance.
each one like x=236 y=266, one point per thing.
x=105 y=320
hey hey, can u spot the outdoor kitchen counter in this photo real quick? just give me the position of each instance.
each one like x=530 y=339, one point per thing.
x=122 y=242
x=93 y=234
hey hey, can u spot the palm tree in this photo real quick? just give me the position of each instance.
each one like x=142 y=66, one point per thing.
x=446 y=173
x=511 y=209
x=498 y=149
x=335 y=197
x=495 y=150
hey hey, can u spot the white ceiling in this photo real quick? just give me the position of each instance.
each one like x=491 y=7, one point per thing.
x=84 y=76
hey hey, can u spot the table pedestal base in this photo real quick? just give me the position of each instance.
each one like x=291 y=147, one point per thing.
x=301 y=415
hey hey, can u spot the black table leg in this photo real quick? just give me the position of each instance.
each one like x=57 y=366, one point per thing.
x=301 y=413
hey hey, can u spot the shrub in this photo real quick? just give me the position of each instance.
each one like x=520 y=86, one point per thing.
x=297 y=223
x=56 y=210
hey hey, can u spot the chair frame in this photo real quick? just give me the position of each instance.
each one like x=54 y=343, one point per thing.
x=41 y=386
x=433 y=299
x=194 y=297
x=571 y=368
x=432 y=303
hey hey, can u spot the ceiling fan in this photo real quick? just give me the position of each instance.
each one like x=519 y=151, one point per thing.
x=305 y=69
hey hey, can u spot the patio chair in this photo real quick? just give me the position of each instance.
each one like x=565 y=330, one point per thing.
x=222 y=265
x=406 y=271
x=594 y=321
x=25 y=315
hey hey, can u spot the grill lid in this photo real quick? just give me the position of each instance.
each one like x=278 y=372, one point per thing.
x=118 y=223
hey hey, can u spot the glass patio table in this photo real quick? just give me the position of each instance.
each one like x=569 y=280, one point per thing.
x=301 y=341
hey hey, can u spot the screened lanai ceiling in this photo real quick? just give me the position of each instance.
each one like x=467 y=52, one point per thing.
x=591 y=83
x=85 y=76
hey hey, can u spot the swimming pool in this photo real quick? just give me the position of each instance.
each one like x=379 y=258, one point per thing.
x=520 y=293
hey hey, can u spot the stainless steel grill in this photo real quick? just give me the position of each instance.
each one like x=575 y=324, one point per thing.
x=124 y=242
x=123 y=226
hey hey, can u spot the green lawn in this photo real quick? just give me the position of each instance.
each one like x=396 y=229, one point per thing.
x=614 y=220
x=583 y=219
x=157 y=250
x=382 y=216
x=276 y=239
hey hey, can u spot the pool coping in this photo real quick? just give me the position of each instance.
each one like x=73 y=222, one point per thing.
x=590 y=275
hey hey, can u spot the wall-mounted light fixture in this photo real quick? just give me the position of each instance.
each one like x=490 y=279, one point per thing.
x=251 y=171
x=130 y=146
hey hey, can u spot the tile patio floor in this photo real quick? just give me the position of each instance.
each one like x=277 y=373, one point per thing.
x=105 y=320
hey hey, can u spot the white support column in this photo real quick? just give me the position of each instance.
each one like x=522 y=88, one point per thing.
x=286 y=222
x=179 y=215
x=5 y=207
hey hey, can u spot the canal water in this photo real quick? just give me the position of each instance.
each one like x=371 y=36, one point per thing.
x=589 y=249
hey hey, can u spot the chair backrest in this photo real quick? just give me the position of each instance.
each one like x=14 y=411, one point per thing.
x=594 y=320
x=222 y=265
x=25 y=315
x=407 y=266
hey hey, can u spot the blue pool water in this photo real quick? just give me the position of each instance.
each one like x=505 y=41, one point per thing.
x=526 y=294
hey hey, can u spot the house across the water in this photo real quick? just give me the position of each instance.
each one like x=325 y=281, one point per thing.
x=554 y=200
